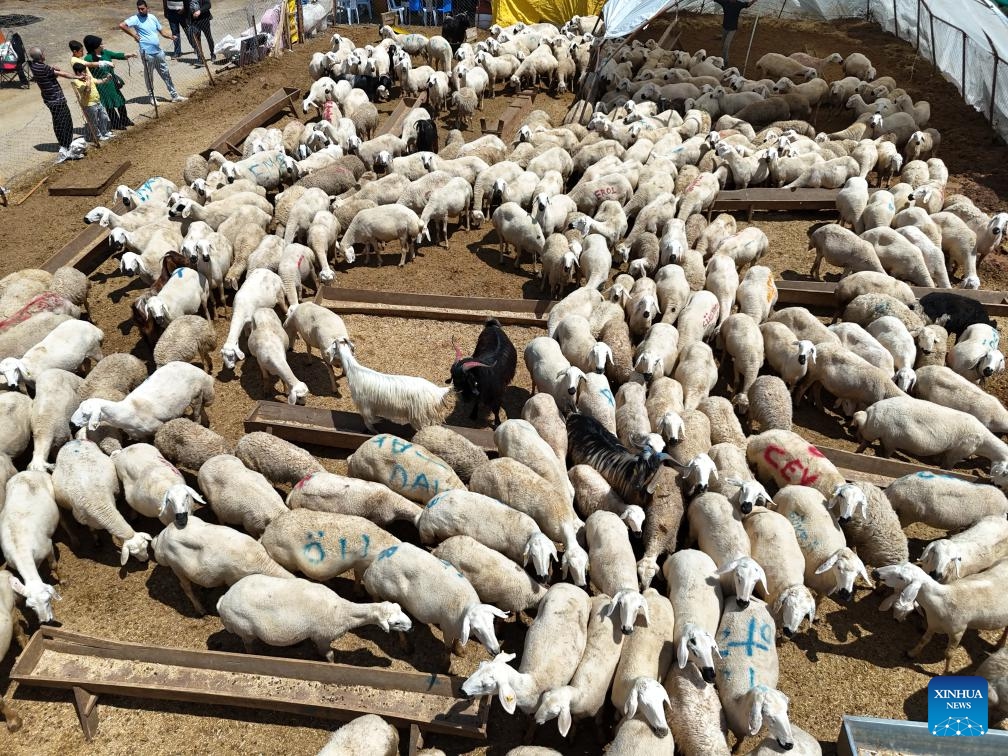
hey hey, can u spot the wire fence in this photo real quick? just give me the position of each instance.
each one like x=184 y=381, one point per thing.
x=27 y=141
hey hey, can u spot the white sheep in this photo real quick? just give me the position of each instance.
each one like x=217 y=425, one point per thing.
x=613 y=568
x=269 y=343
x=515 y=227
x=261 y=288
x=285 y=611
x=719 y=535
x=497 y=579
x=898 y=341
x=320 y=329
x=748 y=674
x=551 y=372
x=325 y=492
x=56 y=394
x=166 y=394
x=553 y=646
x=65 y=347
x=153 y=486
x=944 y=501
x=696 y=372
x=973 y=550
x=830 y=567
x=27 y=523
x=367 y=735
x=383 y=224
x=976 y=354
x=974 y=602
x=211 y=555
x=695 y=593
x=237 y=495
x=434 y=593
x=699 y=726
x=942 y=385
x=185 y=293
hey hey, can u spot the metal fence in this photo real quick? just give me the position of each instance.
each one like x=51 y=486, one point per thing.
x=27 y=141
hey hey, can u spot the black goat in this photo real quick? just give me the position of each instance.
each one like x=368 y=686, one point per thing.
x=491 y=368
x=454 y=29
x=954 y=312
x=372 y=85
x=426 y=136
x=632 y=476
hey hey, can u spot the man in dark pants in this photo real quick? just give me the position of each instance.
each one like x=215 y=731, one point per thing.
x=47 y=77
x=732 y=9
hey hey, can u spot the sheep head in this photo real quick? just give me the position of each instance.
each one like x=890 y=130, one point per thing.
x=630 y=606
x=177 y=501
x=847 y=498
x=38 y=598
x=845 y=566
x=478 y=621
x=135 y=546
x=772 y=705
x=390 y=617
x=539 y=549
x=88 y=414
x=651 y=698
x=99 y=215
x=556 y=704
x=941 y=558
x=13 y=370
x=698 y=645
x=575 y=564
x=298 y=393
x=231 y=355
x=751 y=493
x=793 y=605
x=746 y=574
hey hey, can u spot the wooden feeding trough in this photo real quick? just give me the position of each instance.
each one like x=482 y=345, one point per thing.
x=393 y=124
x=768 y=198
x=823 y=294
x=276 y=103
x=97 y=180
x=90 y=667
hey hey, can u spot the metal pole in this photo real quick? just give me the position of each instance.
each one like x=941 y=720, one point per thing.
x=749 y=49
x=781 y=13
x=997 y=65
x=962 y=80
x=895 y=19
x=934 y=59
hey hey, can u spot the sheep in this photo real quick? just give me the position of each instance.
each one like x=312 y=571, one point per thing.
x=56 y=394
x=454 y=199
x=612 y=567
x=723 y=539
x=933 y=257
x=775 y=546
x=695 y=594
x=387 y=458
x=725 y=426
x=900 y=258
x=876 y=531
x=383 y=224
x=283 y=611
x=943 y=501
x=696 y=372
x=519 y=440
x=942 y=385
x=269 y=343
x=994 y=670
x=84 y=482
x=767 y=404
x=700 y=726
x=461 y=454
x=66 y=347
x=954 y=312
x=971 y=551
x=872 y=282
x=850 y=378
x=637 y=736
x=866 y=308
x=165 y=395
x=776 y=66
x=367 y=735
x=788 y=356
x=188 y=444
x=757 y=293
x=262 y=288
x=976 y=354
x=563 y=613
x=861 y=343
x=72 y=284
x=280 y=461
x=747 y=681
x=841 y=247
x=743 y=341
x=211 y=555
x=924 y=429
x=516 y=228
x=509 y=481
x=324 y=492
x=464 y=103
x=434 y=593
x=899 y=342
x=237 y=495
x=976 y=602
x=786 y=458
x=320 y=329
x=27 y=522
x=184 y=340
x=665 y=407
x=698 y=318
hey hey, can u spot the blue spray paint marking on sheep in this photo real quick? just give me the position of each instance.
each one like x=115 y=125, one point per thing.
x=452 y=567
x=751 y=644
x=313 y=550
x=387 y=553
x=607 y=393
x=925 y=475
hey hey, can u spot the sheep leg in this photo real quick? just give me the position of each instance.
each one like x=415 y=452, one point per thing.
x=52 y=566
x=332 y=378
x=187 y=589
x=268 y=385
x=914 y=652
x=205 y=356
x=950 y=649
x=13 y=720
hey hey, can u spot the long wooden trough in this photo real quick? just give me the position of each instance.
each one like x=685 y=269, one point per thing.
x=770 y=198
x=823 y=294
x=345 y=430
x=393 y=124
x=86 y=251
x=56 y=658
x=516 y=312
x=229 y=141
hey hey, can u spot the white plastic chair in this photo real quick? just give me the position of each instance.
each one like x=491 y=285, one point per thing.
x=399 y=9
x=349 y=7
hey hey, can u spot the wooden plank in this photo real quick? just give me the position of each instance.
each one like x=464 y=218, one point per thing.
x=98 y=179
x=514 y=115
x=283 y=98
x=393 y=124
x=880 y=467
x=539 y=307
x=337 y=429
x=86 y=251
x=321 y=689
x=770 y=198
x=823 y=294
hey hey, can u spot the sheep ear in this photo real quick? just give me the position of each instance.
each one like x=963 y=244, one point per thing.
x=196 y=495
x=17 y=586
x=124 y=556
x=564 y=721
x=756 y=715
x=683 y=654
x=828 y=564
x=630 y=707
x=507 y=697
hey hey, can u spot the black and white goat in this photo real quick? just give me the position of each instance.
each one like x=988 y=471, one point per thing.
x=632 y=476
x=485 y=375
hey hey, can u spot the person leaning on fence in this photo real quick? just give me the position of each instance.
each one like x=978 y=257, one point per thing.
x=87 y=94
x=201 y=18
x=111 y=90
x=732 y=9
x=47 y=77
x=146 y=30
x=176 y=13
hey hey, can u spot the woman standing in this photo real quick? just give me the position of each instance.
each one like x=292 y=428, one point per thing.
x=111 y=96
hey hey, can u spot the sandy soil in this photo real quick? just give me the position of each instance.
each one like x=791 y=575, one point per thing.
x=851 y=662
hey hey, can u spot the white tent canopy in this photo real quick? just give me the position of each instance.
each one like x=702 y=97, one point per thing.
x=965 y=31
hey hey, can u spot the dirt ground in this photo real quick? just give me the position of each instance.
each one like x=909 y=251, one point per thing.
x=851 y=662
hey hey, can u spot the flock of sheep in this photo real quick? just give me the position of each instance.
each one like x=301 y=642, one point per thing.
x=623 y=437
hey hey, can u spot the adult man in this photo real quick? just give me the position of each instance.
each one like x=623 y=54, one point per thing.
x=47 y=77
x=146 y=29
x=732 y=9
x=177 y=15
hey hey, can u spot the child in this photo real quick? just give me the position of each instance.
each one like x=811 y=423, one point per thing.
x=90 y=100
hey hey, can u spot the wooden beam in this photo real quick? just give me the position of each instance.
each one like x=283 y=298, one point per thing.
x=56 y=658
x=823 y=294
x=883 y=468
x=394 y=123
x=336 y=429
x=515 y=113
x=86 y=251
x=283 y=98
x=98 y=180
x=769 y=198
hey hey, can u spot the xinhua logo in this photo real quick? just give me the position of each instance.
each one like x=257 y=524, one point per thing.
x=957 y=706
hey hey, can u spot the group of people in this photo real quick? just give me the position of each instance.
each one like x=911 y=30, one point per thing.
x=96 y=84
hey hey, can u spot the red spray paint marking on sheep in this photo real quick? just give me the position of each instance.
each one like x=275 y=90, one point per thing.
x=792 y=469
